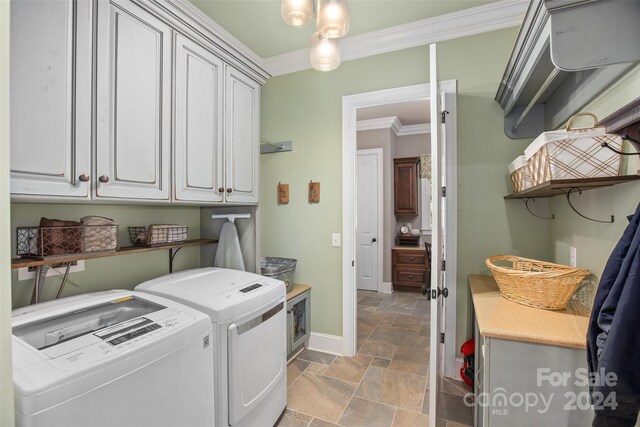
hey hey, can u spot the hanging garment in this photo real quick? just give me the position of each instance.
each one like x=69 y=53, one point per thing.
x=228 y=253
x=613 y=339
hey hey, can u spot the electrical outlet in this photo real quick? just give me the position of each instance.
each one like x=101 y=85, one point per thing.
x=30 y=272
x=335 y=240
x=573 y=261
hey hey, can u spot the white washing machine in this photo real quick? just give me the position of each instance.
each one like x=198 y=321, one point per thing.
x=249 y=323
x=115 y=358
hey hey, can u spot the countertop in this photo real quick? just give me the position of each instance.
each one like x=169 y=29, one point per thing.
x=498 y=317
x=409 y=248
x=296 y=290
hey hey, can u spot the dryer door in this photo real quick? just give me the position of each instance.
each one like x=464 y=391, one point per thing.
x=257 y=359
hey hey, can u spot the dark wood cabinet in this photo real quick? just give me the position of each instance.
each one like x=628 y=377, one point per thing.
x=409 y=269
x=405 y=183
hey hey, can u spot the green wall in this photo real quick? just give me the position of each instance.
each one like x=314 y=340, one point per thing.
x=121 y=272
x=593 y=241
x=306 y=107
x=6 y=367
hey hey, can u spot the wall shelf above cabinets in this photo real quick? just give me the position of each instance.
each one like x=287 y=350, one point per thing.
x=565 y=55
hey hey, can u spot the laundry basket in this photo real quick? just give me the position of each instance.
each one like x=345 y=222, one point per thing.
x=535 y=283
x=279 y=268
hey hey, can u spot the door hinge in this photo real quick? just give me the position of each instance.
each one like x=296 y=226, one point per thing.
x=442 y=337
x=444 y=116
x=353 y=263
x=443 y=265
x=444 y=191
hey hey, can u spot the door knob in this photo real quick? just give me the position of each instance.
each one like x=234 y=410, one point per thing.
x=84 y=177
x=221 y=190
x=229 y=190
x=104 y=178
x=374 y=240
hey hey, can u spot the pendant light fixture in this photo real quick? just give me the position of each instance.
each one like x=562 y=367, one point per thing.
x=332 y=22
x=296 y=13
x=333 y=18
x=324 y=53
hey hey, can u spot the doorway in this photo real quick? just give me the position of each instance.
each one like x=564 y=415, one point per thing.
x=351 y=104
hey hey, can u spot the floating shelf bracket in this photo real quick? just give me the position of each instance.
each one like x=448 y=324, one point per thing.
x=526 y=204
x=568 y=194
x=267 y=147
x=634 y=142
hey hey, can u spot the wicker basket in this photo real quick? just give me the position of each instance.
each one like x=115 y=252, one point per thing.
x=536 y=283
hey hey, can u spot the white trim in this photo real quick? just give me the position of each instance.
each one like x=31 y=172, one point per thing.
x=394 y=124
x=325 y=343
x=379 y=152
x=425 y=195
x=418 y=129
x=386 y=288
x=350 y=104
x=475 y=20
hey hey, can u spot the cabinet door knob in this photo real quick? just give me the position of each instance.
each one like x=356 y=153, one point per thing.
x=84 y=177
x=221 y=190
x=229 y=190
x=104 y=178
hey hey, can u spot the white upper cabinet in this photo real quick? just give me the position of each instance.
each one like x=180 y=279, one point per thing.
x=198 y=156
x=242 y=98
x=50 y=98
x=133 y=128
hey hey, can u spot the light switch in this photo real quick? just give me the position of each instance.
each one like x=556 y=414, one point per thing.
x=335 y=240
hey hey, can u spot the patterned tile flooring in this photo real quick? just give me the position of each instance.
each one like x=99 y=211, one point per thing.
x=385 y=383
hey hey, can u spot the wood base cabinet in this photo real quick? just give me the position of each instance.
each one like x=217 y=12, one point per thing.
x=409 y=269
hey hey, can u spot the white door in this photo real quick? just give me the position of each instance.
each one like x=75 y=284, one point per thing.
x=198 y=123
x=51 y=98
x=369 y=216
x=438 y=286
x=133 y=103
x=241 y=137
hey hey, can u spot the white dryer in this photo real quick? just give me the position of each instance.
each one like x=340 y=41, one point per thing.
x=249 y=324
x=115 y=358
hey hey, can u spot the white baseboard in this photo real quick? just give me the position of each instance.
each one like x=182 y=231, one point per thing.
x=325 y=343
x=385 y=288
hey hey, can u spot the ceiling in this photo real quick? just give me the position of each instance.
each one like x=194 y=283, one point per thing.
x=257 y=23
x=409 y=113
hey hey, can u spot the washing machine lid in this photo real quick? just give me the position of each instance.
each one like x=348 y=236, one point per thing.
x=65 y=348
x=223 y=294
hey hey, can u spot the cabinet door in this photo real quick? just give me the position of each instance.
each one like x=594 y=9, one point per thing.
x=133 y=103
x=198 y=123
x=241 y=137
x=50 y=98
x=405 y=181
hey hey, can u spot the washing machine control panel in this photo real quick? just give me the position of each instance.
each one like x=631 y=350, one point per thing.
x=118 y=339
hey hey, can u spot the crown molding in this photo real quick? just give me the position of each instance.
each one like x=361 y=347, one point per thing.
x=394 y=124
x=490 y=17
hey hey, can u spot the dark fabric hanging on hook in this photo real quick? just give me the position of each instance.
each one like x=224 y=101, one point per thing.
x=613 y=339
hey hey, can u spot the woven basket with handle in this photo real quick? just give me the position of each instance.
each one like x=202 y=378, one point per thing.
x=535 y=283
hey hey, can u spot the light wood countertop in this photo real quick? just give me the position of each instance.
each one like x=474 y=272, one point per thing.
x=498 y=317
x=297 y=289
x=408 y=248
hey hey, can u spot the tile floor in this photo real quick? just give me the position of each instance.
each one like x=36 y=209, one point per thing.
x=385 y=383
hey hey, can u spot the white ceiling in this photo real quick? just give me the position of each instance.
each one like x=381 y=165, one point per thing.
x=409 y=113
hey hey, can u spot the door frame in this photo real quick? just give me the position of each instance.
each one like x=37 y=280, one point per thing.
x=379 y=152
x=350 y=104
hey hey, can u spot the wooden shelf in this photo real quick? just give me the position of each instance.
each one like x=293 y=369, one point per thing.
x=561 y=186
x=23 y=262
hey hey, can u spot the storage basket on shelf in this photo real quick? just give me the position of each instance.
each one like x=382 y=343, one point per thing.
x=536 y=283
x=574 y=153
x=279 y=268
x=158 y=234
x=520 y=177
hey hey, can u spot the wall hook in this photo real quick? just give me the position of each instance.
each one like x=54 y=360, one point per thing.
x=634 y=142
x=576 y=211
x=526 y=204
